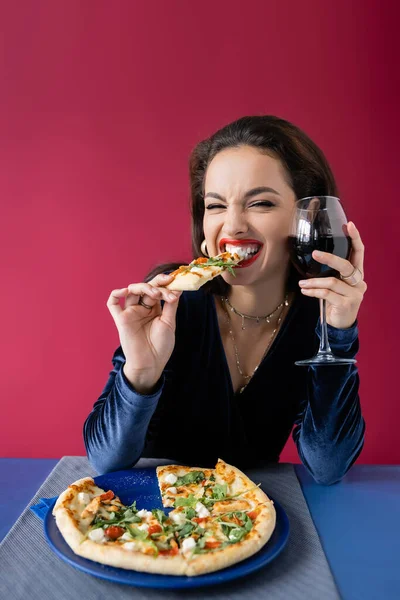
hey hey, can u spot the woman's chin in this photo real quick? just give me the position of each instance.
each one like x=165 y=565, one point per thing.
x=241 y=277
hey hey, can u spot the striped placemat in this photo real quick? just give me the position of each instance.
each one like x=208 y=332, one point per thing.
x=30 y=569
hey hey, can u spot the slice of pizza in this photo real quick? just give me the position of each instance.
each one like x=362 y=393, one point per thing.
x=229 y=522
x=191 y=277
x=97 y=526
x=177 y=482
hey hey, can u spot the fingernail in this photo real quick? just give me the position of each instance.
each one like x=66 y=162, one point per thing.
x=317 y=253
x=303 y=282
x=304 y=291
x=171 y=296
x=165 y=276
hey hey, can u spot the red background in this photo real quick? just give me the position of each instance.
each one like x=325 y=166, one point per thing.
x=100 y=105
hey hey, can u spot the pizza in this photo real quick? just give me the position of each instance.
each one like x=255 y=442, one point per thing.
x=218 y=518
x=192 y=276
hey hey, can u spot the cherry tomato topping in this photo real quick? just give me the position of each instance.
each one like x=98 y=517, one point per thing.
x=114 y=532
x=154 y=529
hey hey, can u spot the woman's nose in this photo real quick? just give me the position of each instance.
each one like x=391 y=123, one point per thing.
x=235 y=222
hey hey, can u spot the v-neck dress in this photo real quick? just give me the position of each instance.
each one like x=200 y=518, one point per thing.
x=195 y=417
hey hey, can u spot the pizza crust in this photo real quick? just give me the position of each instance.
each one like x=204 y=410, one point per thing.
x=115 y=556
x=189 y=281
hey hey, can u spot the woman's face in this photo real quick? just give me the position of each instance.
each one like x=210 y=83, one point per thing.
x=248 y=209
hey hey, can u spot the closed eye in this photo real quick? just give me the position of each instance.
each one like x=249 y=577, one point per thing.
x=211 y=206
x=266 y=203
x=262 y=203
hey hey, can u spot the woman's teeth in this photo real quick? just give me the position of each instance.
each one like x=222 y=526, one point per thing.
x=243 y=251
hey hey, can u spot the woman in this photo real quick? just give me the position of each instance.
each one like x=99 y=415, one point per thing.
x=209 y=374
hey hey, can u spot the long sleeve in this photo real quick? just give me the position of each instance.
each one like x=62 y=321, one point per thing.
x=329 y=432
x=115 y=431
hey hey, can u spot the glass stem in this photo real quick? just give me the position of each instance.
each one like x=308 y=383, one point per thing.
x=324 y=347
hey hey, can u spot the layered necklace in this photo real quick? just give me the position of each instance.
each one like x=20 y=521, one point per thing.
x=266 y=318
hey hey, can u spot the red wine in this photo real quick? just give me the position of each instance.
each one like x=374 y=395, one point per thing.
x=301 y=253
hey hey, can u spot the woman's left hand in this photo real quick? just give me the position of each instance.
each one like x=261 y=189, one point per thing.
x=343 y=299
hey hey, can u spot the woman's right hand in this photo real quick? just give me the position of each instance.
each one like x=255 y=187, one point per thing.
x=147 y=336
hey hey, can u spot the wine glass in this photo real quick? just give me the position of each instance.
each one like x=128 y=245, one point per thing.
x=319 y=223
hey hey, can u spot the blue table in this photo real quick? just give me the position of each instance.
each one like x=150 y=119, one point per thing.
x=358 y=521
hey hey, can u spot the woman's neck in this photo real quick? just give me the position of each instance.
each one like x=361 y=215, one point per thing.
x=259 y=299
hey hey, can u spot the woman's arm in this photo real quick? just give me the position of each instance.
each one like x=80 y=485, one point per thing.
x=115 y=431
x=329 y=432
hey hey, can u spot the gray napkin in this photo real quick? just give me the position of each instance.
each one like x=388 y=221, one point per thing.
x=30 y=569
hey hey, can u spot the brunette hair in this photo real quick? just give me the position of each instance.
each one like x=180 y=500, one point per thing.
x=307 y=170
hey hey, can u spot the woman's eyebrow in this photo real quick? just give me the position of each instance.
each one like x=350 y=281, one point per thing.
x=254 y=192
x=260 y=190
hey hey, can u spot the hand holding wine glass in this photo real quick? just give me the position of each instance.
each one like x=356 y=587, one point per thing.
x=328 y=251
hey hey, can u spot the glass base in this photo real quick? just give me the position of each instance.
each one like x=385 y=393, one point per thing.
x=325 y=360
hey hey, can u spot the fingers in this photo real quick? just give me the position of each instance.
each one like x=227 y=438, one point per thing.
x=113 y=301
x=357 y=256
x=325 y=294
x=345 y=267
x=161 y=280
x=336 y=285
x=150 y=294
x=144 y=291
x=169 y=311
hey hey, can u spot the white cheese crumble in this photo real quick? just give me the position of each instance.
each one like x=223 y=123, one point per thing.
x=171 y=490
x=201 y=510
x=84 y=497
x=126 y=536
x=143 y=514
x=171 y=478
x=97 y=535
x=178 y=518
x=188 y=544
x=143 y=527
x=131 y=546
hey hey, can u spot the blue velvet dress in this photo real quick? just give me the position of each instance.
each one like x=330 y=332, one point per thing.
x=195 y=417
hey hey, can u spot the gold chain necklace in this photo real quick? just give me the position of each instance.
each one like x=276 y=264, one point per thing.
x=229 y=323
x=266 y=318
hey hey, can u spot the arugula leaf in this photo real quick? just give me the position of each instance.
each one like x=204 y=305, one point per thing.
x=186 y=529
x=159 y=515
x=219 y=491
x=237 y=534
x=248 y=525
x=189 y=512
x=212 y=478
x=130 y=517
x=214 y=262
x=235 y=495
x=190 y=501
x=234 y=532
x=201 y=542
x=137 y=533
x=97 y=525
x=228 y=524
x=191 y=477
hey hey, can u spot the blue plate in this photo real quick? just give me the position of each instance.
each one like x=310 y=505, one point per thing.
x=142 y=485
